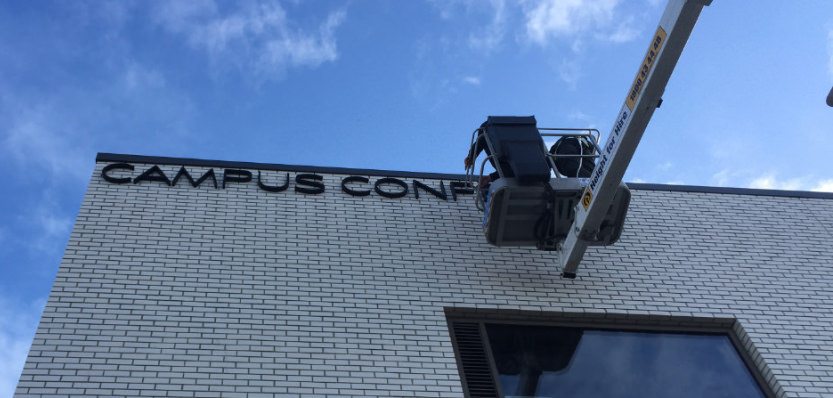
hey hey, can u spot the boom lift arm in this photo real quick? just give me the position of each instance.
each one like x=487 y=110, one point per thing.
x=549 y=198
x=644 y=96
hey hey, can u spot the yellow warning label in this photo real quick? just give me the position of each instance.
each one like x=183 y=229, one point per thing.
x=647 y=65
x=586 y=198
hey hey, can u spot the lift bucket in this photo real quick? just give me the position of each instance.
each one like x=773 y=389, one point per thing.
x=514 y=213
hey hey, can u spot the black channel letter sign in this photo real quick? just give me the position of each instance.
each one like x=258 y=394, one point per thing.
x=305 y=183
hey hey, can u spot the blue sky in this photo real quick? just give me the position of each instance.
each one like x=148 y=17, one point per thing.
x=380 y=84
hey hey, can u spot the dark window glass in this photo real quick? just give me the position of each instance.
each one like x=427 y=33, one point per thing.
x=543 y=361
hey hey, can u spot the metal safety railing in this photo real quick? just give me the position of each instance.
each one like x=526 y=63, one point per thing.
x=476 y=136
x=591 y=135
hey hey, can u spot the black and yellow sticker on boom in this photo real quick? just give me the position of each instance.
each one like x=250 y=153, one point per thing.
x=647 y=65
x=587 y=198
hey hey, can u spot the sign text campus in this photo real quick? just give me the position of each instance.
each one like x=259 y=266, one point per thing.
x=306 y=183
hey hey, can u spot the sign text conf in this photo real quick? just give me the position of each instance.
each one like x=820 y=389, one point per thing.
x=306 y=183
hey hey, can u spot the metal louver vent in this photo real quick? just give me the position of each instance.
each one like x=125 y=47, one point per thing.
x=474 y=363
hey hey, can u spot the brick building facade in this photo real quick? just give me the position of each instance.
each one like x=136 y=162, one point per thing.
x=313 y=284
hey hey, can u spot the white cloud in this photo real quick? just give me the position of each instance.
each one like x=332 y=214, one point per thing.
x=303 y=50
x=544 y=20
x=823 y=186
x=623 y=32
x=179 y=16
x=770 y=181
x=722 y=177
x=56 y=133
x=547 y=19
x=473 y=80
x=257 y=37
x=487 y=35
x=576 y=23
x=18 y=322
x=740 y=178
x=50 y=138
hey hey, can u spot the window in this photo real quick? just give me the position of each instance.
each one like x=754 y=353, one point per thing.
x=555 y=361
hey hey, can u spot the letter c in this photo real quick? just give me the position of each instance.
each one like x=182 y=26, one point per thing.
x=116 y=166
x=351 y=191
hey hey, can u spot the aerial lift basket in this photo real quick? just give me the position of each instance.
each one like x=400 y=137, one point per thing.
x=530 y=198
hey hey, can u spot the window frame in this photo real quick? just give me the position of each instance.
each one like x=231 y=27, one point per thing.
x=729 y=327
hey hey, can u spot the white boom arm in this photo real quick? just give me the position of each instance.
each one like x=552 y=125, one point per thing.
x=643 y=98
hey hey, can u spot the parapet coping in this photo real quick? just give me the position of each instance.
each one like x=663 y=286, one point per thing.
x=162 y=160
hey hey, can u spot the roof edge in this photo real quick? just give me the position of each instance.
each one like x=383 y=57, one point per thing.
x=115 y=157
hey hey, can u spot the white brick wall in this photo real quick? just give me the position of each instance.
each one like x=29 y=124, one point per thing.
x=181 y=291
